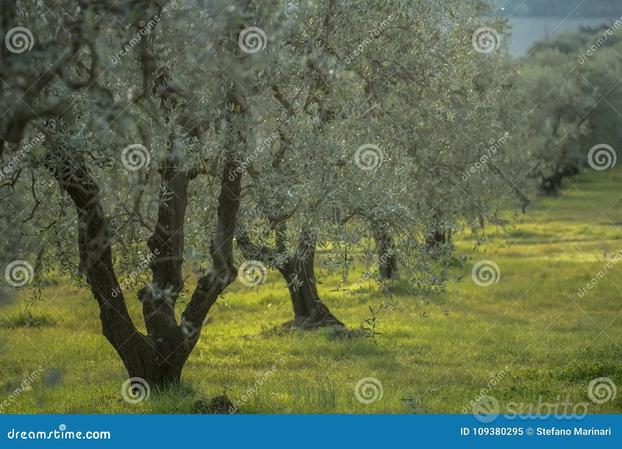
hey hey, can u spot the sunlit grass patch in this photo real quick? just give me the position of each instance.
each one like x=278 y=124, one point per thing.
x=431 y=354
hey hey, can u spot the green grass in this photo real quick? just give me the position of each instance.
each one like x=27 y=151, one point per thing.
x=433 y=355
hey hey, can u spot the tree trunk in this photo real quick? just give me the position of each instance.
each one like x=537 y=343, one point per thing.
x=159 y=357
x=94 y=243
x=167 y=247
x=299 y=274
x=160 y=363
x=551 y=185
x=309 y=310
x=438 y=239
x=385 y=248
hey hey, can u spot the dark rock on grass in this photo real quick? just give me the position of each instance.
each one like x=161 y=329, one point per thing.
x=217 y=406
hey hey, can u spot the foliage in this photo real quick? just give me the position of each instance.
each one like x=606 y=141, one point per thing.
x=420 y=355
x=173 y=141
x=562 y=8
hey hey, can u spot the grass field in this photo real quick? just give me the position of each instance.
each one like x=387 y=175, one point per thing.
x=528 y=338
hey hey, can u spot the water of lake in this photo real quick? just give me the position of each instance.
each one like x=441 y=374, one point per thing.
x=528 y=30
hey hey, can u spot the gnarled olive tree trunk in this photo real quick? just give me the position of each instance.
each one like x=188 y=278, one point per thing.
x=385 y=248
x=159 y=356
x=438 y=236
x=299 y=273
x=551 y=184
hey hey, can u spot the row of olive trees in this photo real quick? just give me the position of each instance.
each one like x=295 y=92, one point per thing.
x=569 y=98
x=374 y=143
x=202 y=132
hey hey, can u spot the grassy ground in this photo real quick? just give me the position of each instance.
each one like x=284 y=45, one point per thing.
x=527 y=339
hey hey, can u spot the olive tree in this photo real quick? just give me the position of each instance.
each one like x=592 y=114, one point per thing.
x=136 y=119
x=367 y=132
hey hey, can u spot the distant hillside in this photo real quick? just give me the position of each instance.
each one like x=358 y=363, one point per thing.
x=574 y=8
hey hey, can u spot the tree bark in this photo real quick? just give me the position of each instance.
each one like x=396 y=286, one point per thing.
x=438 y=237
x=299 y=273
x=141 y=356
x=160 y=356
x=551 y=185
x=385 y=248
x=167 y=247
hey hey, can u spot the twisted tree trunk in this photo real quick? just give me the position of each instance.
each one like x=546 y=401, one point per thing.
x=551 y=184
x=438 y=238
x=158 y=357
x=385 y=248
x=299 y=273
